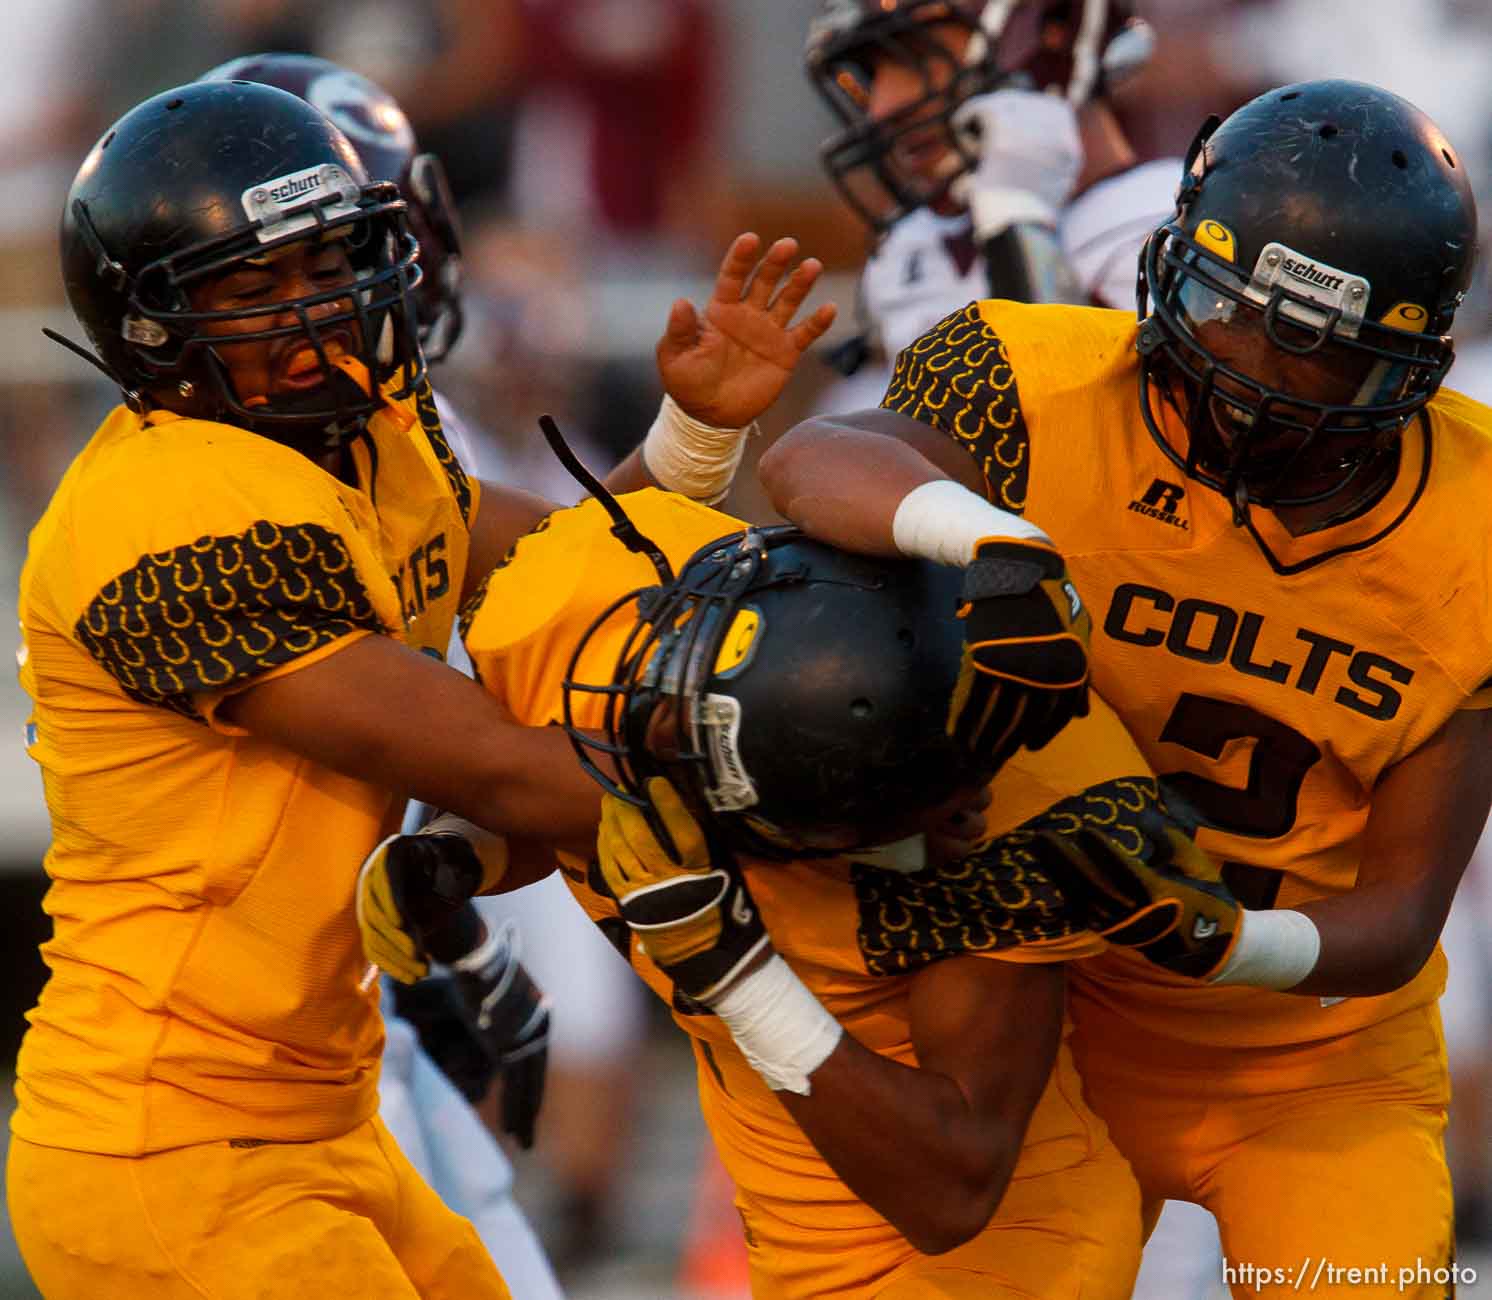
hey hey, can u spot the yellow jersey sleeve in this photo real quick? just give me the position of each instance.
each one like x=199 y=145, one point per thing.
x=204 y=557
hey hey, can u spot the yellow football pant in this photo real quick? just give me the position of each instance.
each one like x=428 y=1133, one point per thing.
x=1067 y=1235
x=346 y=1217
x=1316 y=1160
x=1067 y=1228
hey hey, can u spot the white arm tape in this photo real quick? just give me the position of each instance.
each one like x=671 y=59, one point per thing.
x=783 y=1031
x=944 y=521
x=1274 y=950
x=694 y=459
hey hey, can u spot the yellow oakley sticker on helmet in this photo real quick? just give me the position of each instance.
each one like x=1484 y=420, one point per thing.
x=740 y=637
x=1218 y=239
x=1407 y=316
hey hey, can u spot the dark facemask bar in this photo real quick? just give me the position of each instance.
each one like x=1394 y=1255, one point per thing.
x=865 y=147
x=377 y=300
x=1166 y=345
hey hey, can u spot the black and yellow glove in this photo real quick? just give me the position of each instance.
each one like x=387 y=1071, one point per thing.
x=410 y=892
x=1167 y=900
x=1025 y=666
x=694 y=918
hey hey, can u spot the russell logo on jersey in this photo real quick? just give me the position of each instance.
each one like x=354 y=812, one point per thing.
x=1162 y=500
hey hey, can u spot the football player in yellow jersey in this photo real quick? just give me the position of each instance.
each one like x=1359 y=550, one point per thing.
x=1284 y=544
x=233 y=614
x=898 y=1112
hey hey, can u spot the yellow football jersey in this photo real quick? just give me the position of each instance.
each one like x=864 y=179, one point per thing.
x=853 y=933
x=205 y=958
x=1270 y=680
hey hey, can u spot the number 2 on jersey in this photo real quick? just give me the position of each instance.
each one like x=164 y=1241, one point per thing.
x=1264 y=808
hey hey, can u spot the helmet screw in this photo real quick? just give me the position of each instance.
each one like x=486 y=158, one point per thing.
x=1273 y=259
x=1357 y=291
x=186 y=388
x=260 y=195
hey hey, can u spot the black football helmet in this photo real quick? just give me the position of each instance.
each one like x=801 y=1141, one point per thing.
x=380 y=132
x=795 y=695
x=1335 y=221
x=205 y=177
x=1076 y=48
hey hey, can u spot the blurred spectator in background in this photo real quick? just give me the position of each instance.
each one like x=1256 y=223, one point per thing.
x=47 y=119
x=1195 y=71
x=618 y=132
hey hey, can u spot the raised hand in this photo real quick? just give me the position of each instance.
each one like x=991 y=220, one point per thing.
x=728 y=364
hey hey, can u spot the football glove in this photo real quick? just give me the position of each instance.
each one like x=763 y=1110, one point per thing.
x=1024 y=674
x=409 y=890
x=1029 y=155
x=433 y=1007
x=1168 y=901
x=695 y=920
x=484 y=1021
x=509 y=1016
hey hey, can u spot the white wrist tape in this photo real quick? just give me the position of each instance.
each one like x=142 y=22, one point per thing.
x=1274 y=950
x=944 y=521
x=781 y=1028
x=685 y=456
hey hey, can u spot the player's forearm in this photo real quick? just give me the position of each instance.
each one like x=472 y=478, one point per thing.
x=882 y=484
x=1368 y=942
x=524 y=783
x=629 y=475
x=934 y=1169
x=945 y=1141
x=1373 y=940
x=843 y=484
x=680 y=454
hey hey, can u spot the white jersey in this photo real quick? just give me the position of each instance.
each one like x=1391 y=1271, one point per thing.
x=927 y=266
x=924 y=268
x=1103 y=229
